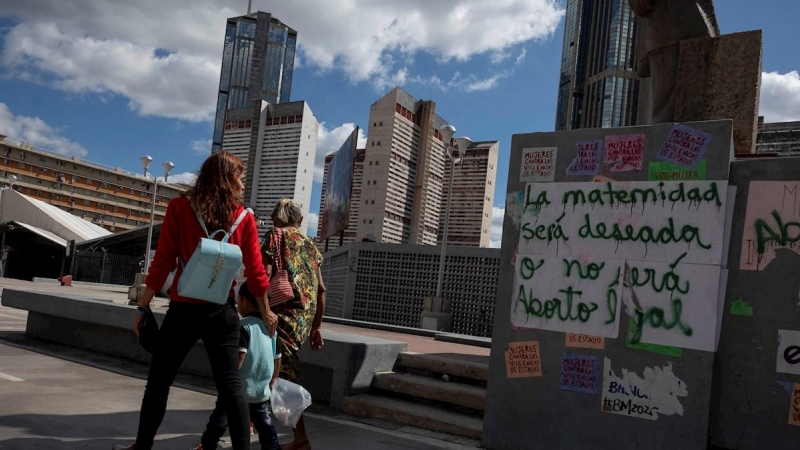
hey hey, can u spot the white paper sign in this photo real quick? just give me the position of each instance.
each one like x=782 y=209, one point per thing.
x=788 y=357
x=567 y=294
x=654 y=393
x=648 y=221
x=673 y=304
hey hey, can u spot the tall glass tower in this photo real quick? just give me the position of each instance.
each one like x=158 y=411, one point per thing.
x=257 y=64
x=598 y=87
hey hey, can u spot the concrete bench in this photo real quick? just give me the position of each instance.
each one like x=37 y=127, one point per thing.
x=345 y=366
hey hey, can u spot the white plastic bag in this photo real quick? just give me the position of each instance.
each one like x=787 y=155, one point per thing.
x=288 y=401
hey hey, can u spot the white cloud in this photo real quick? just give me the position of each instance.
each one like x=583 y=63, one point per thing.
x=165 y=58
x=202 y=147
x=312 y=221
x=329 y=141
x=182 y=178
x=780 y=96
x=37 y=132
x=496 y=236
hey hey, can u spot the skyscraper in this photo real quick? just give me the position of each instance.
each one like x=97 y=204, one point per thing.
x=257 y=64
x=598 y=87
x=282 y=165
x=470 y=222
x=403 y=170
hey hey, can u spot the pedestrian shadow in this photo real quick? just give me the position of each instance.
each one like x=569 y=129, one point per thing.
x=90 y=431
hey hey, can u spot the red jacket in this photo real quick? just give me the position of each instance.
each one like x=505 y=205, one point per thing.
x=180 y=234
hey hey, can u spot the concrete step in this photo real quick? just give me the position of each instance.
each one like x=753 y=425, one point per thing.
x=465 y=367
x=414 y=414
x=416 y=386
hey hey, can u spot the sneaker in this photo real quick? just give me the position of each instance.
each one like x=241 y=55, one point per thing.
x=199 y=447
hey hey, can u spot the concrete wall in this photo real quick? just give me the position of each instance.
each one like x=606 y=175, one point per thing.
x=535 y=412
x=388 y=283
x=345 y=366
x=750 y=407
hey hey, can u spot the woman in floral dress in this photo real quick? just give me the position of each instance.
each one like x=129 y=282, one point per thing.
x=299 y=317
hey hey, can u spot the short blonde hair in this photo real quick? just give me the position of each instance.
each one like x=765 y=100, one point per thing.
x=287 y=213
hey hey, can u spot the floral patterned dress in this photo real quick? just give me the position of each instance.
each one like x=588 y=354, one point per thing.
x=302 y=260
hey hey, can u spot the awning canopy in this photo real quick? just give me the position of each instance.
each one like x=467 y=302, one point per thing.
x=128 y=242
x=26 y=210
x=38 y=234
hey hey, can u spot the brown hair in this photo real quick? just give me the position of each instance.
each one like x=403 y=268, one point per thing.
x=214 y=194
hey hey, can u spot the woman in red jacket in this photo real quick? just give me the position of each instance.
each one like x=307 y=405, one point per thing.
x=217 y=197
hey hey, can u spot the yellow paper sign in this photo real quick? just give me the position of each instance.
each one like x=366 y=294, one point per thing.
x=584 y=341
x=523 y=360
x=794 y=407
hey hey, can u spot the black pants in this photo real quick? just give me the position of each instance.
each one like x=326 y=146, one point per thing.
x=184 y=325
x=259 y=414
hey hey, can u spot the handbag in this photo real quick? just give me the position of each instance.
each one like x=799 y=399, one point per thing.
x=280 y=289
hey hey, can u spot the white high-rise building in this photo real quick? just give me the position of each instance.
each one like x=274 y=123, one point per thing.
x=284 y=158
x=470 y=222
x=403 y=170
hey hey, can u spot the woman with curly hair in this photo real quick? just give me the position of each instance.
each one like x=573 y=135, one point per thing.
x=216 y=199
x=290 y=254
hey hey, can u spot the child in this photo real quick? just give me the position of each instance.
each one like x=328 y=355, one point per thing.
x=259 y=366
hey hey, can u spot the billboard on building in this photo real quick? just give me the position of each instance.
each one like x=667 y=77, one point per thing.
x=339 y=183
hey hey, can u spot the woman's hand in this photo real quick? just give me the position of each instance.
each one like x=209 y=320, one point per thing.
x=137 y=322
x=316 y=339
x=271 y=320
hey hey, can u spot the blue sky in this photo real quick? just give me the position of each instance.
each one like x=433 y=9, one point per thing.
x=116 y=79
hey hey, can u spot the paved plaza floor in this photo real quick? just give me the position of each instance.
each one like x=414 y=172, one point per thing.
x=58 y=397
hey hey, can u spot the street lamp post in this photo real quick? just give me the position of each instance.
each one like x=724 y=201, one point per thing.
x=437 y=314
x=11 y=180
x=168 y=166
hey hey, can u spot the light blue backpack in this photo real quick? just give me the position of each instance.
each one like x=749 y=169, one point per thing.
x=210 y=271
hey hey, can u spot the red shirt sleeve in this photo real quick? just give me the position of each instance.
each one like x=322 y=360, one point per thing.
x=254 y=270
x=168 y=250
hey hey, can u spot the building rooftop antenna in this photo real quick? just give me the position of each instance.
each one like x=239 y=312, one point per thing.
x=249 y=6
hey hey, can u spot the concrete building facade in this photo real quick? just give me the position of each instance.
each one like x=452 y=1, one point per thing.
x=779 y=137
x=470 y=220
x=106 y=196
x=598 y=87
x=350 y=234
x=403 y=171
x=282 y=165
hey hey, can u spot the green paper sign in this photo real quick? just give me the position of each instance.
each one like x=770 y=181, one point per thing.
x=652 y=348
x=664 y=171
x=740 y=307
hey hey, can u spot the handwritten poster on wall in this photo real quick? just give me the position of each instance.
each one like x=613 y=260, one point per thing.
x=580 y=373
x=794 y=406
x=645 y=221
x=624 y=153
x=523 y=360
x=771 y=223
x=587 y=158
x=656 y=392
x=576 y=340
x=567 y=294
x=685 y=146
x=673 y=303
x=538 y=164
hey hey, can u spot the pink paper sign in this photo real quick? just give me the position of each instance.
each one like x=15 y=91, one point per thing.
x=625 y=152
x=685 y=146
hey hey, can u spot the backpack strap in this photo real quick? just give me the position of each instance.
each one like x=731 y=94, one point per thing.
x=199 y=219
